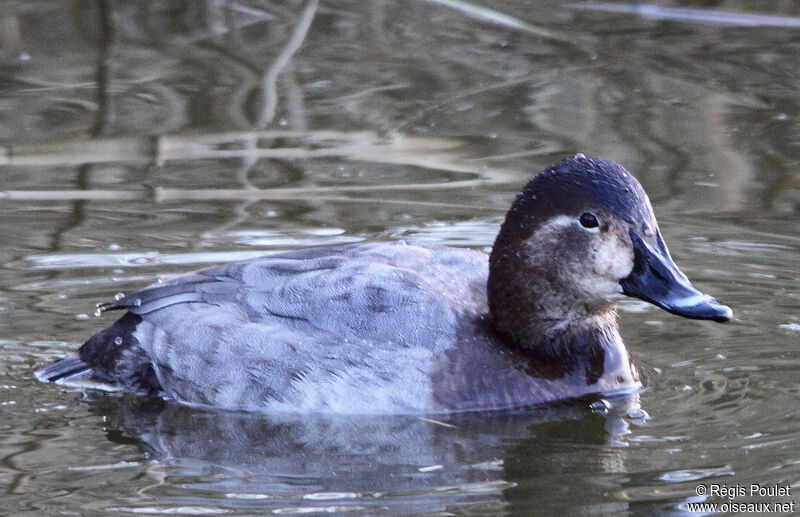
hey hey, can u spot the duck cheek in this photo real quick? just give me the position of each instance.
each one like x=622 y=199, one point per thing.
x=612 y=260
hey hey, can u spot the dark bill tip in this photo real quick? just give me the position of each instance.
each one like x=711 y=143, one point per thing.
x=656 y=279
x=702 y=307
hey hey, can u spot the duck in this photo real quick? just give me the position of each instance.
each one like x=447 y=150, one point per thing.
x=409 y=327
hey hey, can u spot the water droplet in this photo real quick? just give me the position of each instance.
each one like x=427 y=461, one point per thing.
x=638 y=413
x=137 y=302
x=118 y=340
x=580 y=156
x=24 y=57
x=600 y=405
x=119 y=296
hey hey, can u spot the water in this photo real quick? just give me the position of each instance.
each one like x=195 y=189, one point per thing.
x=141 y=140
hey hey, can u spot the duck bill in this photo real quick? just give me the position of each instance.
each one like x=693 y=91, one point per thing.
x=656 y=279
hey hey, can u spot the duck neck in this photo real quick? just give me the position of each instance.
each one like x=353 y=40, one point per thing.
x=546 y=323
x=529 y=304
x=561 y=338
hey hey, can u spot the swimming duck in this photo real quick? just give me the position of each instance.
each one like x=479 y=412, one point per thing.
x=405 y=328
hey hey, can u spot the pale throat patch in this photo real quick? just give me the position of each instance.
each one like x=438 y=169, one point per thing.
x=613 y=261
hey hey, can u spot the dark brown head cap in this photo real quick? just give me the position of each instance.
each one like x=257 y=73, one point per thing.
x=574 y=185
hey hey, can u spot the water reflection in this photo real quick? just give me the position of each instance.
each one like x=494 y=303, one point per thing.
x=218 y=69
x=130 y=148
x=409 y=464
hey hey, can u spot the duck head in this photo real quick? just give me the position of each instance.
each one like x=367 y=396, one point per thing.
x=578 y=237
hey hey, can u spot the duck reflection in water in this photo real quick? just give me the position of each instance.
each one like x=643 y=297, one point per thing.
x=395 y=464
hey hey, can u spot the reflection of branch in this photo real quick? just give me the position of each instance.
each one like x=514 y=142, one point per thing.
x=294 y=103
x=492 y=16
x=243 y=176
x=161 y=194
x=102 y=116
x=269 y=82
x=249 y=158
x=103 y=67
x=452 y=99
x=687 y=15
x=216 y=195
x=269 y=103
x=431 y=153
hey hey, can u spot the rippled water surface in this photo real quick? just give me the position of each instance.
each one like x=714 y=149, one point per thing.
x=142 y=139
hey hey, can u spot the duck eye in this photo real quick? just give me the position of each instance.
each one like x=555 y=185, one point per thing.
x=588 y=220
